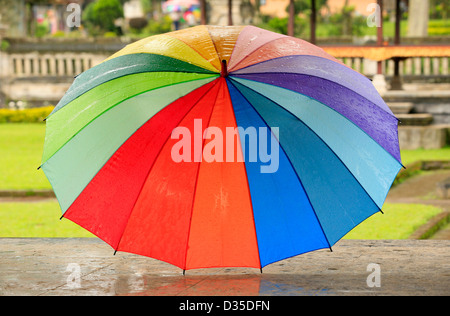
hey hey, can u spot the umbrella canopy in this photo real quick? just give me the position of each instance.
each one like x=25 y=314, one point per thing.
x=221 y=146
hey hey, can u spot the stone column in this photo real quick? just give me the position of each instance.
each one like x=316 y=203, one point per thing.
x=379 y=81
x=418 y=18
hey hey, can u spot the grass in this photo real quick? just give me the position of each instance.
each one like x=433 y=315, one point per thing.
x=410 y=156
x=399 y=221
x=20 y=154
x=37 y=219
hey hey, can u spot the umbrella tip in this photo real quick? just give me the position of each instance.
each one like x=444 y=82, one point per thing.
x=224 y=71
x=184 y=272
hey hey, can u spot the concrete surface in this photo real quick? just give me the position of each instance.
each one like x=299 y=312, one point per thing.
x=87 y=266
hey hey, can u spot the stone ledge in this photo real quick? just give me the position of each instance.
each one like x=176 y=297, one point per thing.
x=401 y=107
x=34 y=266
x=415 y=119
x=426 y=137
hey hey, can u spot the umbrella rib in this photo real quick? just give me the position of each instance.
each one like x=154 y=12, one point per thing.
x=212 y=42
x=324 y=144
x=110 y=108
x=290 y=162
x=280 y=72
x=325 y=79
x=150 y=169
x=215 y=48
x=248 y=187
x=294 y=55
x=248 y=54
x=108 y=71
x=140 y=47
x=195 y=186
x=283 y=37
x=227 y=55
x=393 y=116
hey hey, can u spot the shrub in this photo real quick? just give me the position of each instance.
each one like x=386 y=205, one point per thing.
x=4 y=45
x=162 y=25
x=280 y=25
x=109 y=35
x=41 y=30
x=99 y=16
x=59 y=34
x=32 y=115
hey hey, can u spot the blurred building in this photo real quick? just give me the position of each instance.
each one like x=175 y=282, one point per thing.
x=21 y=18
x=278 y=7
x=360 y=6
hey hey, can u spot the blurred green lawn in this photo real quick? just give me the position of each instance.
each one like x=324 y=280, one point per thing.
x=36 y=219
x=20 y=155
x=41 y=219
x=399 y=221
x=410 y=156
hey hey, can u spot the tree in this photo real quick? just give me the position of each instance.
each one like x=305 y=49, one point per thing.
x=305 y=5
x=291 y=20
x=230 y=12
x=297 y=6
x=100 y=16
x=203 y=12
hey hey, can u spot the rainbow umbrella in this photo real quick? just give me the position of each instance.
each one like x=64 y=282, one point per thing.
x=220 y=147
x=194 y=11
x=179 y=5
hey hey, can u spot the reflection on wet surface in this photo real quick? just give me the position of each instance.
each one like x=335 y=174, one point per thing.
x=221 y=285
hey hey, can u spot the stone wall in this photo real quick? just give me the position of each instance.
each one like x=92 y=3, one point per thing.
x=41 y=78
x=426 y=137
